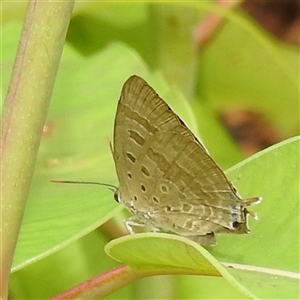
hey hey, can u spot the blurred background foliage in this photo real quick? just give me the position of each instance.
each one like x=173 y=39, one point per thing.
x=231 y=71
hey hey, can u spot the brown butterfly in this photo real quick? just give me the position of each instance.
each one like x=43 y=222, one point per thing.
x=168 y=180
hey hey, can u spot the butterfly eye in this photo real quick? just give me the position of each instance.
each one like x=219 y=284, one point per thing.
x=116 y=196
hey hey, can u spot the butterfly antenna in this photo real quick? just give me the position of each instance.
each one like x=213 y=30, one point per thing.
x=110 y=186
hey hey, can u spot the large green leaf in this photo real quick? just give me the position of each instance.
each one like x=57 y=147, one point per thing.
x=261 y=256
x=75 y=148
x=274 y=175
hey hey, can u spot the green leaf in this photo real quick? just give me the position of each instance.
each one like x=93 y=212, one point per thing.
x=75 y=147
x=255 y=261
x=162 y=252
x=274 y=175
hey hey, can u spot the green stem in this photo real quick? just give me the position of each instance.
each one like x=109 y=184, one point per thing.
x=176 y=45
x=37 y=60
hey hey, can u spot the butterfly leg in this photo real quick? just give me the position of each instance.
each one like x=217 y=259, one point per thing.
x=154 y=229
x=131 y=222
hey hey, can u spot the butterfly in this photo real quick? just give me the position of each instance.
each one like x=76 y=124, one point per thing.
x=167 y=179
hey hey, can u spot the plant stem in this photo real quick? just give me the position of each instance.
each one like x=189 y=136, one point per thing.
x=101 y=285
x=32 y=80
x=176 y=45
